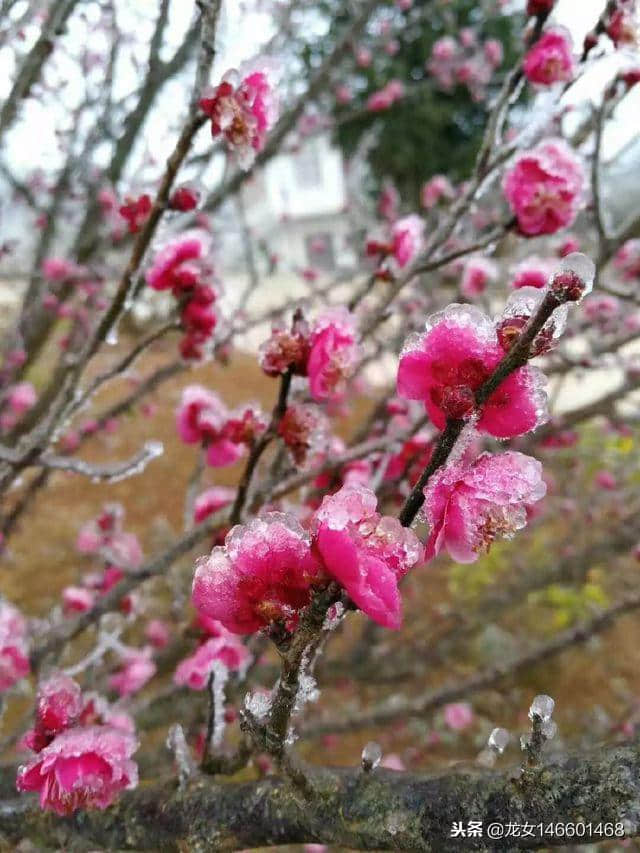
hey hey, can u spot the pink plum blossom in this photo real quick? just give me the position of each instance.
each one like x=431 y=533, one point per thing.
x=59 y=704
x=333 y=353
x=138 y=668
x=243 y=110
x=448 y=363
x=478 y=272
x=14 y=654
x=532 y=272
x=211 y=500
x=365 y=552
x=458 y=716
x=467 y=506
x=77 y=599
x=59 y=269
x=550 y=60
x=627 y=260
x=158 y=633
x=407 y=237
x=436 y=188
x=305 y=431
x=203 y=418
x=389 y=202
x=173 y=267
x=606 y=480
x=82 y=767
x=261 y=574
x=544 y=187
x=194 y=671
x=21 y=397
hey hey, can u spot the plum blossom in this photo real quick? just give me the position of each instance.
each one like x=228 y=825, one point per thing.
x=203 y=418
x=194 y=671
x=21 y=397
x=447 y=364
x=550 y=60
x=333 y=353
x=305 y=431
x=136 y=211
x=59 y=704
x=184 y=199
x=138 y=668
x=173 y=267
x=467 y=506
x=60 y=269
x=84 y=767
x=262 y=573
x=544 y=187
x=211 y=500
x=407 y=237
x=531 y=272
x=627 y=260
x=158 y=633
x=478 y=272
x=243 y=110
x=386 y=97
x=365 y=552
x=14 y=652
x=436 y=188
x=77 y=599
x=286 y=349
x=458 y=716
x=389 y=202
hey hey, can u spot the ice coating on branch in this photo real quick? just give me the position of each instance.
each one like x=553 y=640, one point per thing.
x=243 y=111
x=261 y=574
x=521 y=306
x=550 y=60
x=498 y=740
x=84 y=767
x=371 y=756
x=14 y=651
x=448 y=363
x=544 y=187
x=333 y=354
x=468 y=506
x=227 y=649
x=365 y=552
x=542 y=706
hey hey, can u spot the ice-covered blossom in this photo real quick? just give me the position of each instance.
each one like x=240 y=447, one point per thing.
x=621 y=22
x=407 y=236
x=211 y=500
x=365 y=552
x=333 y=353
x=304 y=428
x=550 y=60
x=242 y=110
x=544 y=188
x=184 y=199
x=467 y=506
x=158 y=633
x=59 y=704
x=202 y=418
x=137 y=669
x=574 y=278
x=261 y=574
x=286 y=349
x=601 y=307
x=83 y=767
x=531 y=272
x=386 y=97
x=478 y=273
x=194 y=670
x=436 y=188
x=14 y=652
x=448 y=363
x=174 y=267
x=522 y=304
x=77 y=599
x=458 y=716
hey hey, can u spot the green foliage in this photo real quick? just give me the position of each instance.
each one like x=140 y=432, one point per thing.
x=430 y=131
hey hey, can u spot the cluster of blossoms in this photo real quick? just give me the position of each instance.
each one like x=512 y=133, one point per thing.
x=14 y=646
x=627 y=260
x=242 y=110
x=267 y=569
x=181 y=268
x=326 y=351
x=83 y=750
x=465 y=61
x=544 y=188
x=386 y=97
x=202 y=418
x=550 y=60
x=119 y=551
x=398 y=246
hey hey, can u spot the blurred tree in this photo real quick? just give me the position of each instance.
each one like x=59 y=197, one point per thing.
x=430 y=130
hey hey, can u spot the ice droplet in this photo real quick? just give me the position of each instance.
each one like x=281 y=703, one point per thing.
x=498 y=740
x=549 y=729
x=371 y=756
x=582 y=266
x=542 y=706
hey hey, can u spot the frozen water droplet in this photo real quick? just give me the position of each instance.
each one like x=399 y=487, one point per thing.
x=154 y=448
x=525 y=742
x=112 y=337
x=486 y=758
x=371 y=756
x=582 y=266
x=498 y=740
x=542 y=706
x=549 y=729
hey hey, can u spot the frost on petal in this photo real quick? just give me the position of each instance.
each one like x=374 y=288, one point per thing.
x=263 y=573
x=469 y=505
